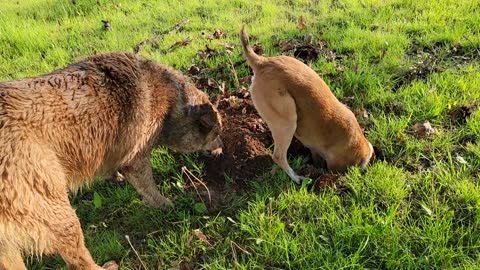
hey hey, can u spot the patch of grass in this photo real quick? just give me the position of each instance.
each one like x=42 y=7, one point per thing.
x=403 y=61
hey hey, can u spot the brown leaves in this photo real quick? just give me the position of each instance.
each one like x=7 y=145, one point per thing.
x=201 y=236
x=194 y=70
x=229 y=47
x=258 y=48
x=423 y=130
x=218 y=34
x=207 y=53
x=301 y=23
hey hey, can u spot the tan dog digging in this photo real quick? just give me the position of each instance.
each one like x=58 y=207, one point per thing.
x=96 y=117
x=294 y=101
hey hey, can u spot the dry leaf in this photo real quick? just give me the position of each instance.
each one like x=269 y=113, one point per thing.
x=194 y=70
x=184 y=42
x=218 y=34
x=258 y=48
x=228 y=46
x=301 y=23
x=461 y=160
x=207 y=53
x=309 y=38
x=355 y=68
x=201 y=236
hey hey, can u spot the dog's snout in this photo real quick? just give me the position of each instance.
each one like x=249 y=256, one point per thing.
x=215 y=147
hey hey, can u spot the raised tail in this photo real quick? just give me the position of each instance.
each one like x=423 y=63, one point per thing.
x=253 y=59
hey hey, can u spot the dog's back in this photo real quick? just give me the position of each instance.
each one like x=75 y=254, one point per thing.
x=79 y=105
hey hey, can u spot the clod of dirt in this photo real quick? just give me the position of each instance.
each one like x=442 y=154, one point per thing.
x=431 y=58
x=110 y=265
x=423 y=130
x=459 y=114
x=306 y=50
x=106 y=25
x=207 y=53
x=329 y=180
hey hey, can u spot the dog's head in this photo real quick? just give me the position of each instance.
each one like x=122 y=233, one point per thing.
x=194 y=124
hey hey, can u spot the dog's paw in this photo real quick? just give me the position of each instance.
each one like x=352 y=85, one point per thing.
x=161 y=203
x=116 y=177
x=110 y=265
x=299 y=179
x=217 y=152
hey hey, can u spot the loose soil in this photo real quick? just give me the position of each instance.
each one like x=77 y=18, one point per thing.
x=246 y=154
x=246 y=141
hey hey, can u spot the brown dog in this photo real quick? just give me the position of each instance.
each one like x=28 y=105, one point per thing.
x=294 y=101
x=58 y=131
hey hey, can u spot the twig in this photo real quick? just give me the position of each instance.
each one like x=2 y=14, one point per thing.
x=142 y=44
x=234 y=254
x=189 y=174
x=136 y=253
x=234 y=71
x=239 y=247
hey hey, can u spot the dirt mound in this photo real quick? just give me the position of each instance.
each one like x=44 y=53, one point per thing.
x=246 y=141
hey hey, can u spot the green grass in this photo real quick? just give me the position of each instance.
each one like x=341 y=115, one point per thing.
x=419 y=209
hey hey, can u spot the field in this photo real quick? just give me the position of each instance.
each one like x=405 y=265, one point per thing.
x=410 y=70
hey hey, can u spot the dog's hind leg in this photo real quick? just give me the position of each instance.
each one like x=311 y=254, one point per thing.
x=51 y=218
x=280 y=113
x=67 y=236
x=11 y=259
x=282 y=136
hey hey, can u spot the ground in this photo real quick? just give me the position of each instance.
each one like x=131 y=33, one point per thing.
x=409 y=70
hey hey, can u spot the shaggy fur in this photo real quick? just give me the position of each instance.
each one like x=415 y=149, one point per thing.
x=294 y=101
x=93 y=118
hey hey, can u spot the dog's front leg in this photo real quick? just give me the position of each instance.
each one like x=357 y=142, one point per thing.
x=139 y=174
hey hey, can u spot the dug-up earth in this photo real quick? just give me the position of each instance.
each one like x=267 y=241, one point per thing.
x=246 y=153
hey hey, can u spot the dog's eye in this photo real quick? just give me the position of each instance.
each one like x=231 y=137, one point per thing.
x=207 y=122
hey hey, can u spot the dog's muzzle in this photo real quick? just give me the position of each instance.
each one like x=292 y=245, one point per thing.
x=215 y=148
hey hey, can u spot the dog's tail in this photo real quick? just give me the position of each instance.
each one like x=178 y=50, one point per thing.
x=253 y=59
